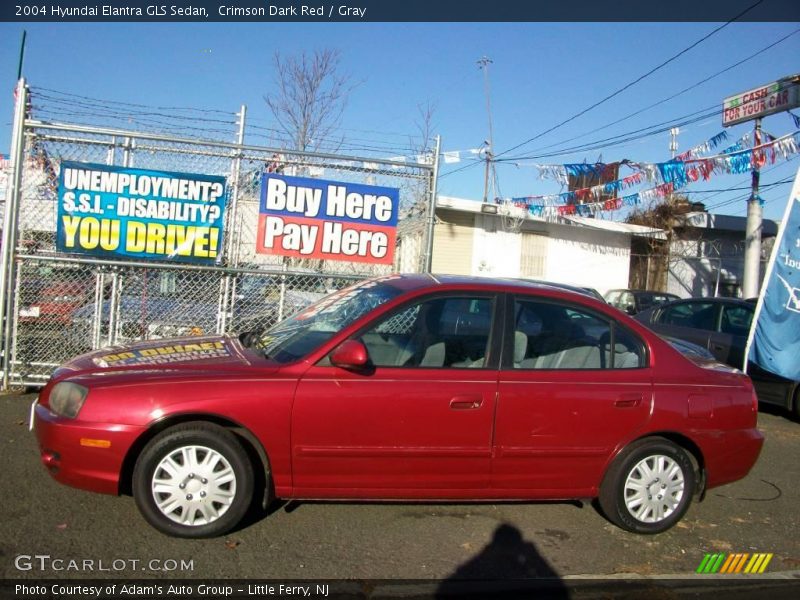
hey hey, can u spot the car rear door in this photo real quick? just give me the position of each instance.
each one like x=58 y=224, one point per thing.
x=418 y=421
x=578 y=385
x=728 y=342
x=690 y=320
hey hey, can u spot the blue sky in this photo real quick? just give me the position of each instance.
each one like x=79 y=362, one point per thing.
x=542 y=73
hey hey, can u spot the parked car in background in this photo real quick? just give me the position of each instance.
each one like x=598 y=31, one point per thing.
x=175 y=305
x=689 y=349
x=419 y=387
x=635 y=301
x=55 y=303
x=721 y=325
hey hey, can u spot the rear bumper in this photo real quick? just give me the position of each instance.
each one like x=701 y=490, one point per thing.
x=88 y=456
x=731 y=455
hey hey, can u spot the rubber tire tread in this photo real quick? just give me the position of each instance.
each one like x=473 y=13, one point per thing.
x=193 y=433
x=611 y=498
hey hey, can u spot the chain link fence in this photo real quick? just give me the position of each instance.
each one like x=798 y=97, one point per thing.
x=690 y=276
x=58 y=304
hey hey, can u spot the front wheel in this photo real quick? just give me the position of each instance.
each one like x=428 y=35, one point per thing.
x=648 y=487
x=193 y=480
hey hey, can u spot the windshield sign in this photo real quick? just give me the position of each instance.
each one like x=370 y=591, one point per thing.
x=304 y=332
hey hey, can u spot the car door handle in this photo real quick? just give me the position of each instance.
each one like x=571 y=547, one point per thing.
x=466 y=402
x=628 y=401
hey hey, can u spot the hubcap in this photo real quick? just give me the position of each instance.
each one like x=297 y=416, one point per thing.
x=654 y=488
x=193 y=485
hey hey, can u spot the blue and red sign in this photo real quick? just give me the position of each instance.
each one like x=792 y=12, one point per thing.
x=774 y=341
x=327 y=220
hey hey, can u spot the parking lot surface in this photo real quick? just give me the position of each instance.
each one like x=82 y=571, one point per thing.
x=105 y=536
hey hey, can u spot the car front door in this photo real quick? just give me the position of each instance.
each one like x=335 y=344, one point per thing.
x=418 y=421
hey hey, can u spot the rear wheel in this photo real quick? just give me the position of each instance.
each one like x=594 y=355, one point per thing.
x=193 y=480
x=648 y=487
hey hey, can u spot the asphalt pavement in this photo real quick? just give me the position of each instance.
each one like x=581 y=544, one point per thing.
x=82 y=534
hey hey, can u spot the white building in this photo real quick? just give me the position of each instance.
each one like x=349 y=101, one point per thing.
x=470 y=240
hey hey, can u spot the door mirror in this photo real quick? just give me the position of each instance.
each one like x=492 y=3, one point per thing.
x=351 y=354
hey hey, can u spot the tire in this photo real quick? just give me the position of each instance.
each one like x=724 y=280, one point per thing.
x=665 y=493
x=207 y=464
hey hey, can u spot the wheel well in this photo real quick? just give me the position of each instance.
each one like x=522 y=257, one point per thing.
x=695 y=454
x=255 y=451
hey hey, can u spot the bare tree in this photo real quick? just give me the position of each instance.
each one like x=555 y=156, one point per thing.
x=309 y=96
x=421 y=143
x=651 y=255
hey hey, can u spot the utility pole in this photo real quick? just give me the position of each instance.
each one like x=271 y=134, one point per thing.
x=483 y=64
x=752 y=240
x=21 y=55
x=673 y=140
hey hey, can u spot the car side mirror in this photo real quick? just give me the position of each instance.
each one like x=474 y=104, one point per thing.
x=630 y=309
x=351 y=354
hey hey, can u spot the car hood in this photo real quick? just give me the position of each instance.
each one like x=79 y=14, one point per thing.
x=188 y=353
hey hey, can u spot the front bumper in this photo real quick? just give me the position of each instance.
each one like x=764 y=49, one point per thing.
x=84 y=455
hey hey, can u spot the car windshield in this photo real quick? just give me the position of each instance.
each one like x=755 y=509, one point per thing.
x=295 y=337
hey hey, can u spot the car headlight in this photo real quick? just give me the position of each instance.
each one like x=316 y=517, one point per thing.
x=66 y=399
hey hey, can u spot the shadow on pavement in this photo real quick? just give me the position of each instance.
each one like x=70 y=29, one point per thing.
x=508 y=565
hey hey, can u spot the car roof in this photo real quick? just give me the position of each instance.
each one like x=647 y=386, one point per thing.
x=423 y=280
x=712 y=300
x=640 y=291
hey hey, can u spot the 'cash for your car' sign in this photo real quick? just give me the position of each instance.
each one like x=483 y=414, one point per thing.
x=312 y=218
x=139 y=214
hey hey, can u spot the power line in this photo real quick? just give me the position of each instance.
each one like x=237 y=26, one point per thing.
x=611 y=141
x=762 y=185
x=189 y=108
x=738 y=198
x=673 y=96
x=628 y=136
x=111 y=110
x=632 y=83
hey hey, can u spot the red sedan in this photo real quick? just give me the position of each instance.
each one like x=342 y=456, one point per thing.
x=404 y=387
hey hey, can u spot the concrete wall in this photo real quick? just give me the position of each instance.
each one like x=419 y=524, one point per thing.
x=587 y=257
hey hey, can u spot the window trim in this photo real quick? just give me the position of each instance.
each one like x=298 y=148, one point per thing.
x=507 y=359
x=493 y=344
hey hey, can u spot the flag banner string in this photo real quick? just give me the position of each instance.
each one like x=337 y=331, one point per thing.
x=672 y=175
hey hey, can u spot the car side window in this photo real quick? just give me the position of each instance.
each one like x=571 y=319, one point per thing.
x=626 y=302
x=563 y=337
x=443 y=332
x=695 y=315
x=627 y=350
x=736 y=320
